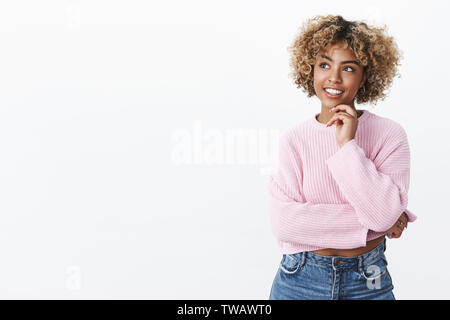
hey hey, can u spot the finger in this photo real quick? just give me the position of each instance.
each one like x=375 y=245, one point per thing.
x=329 y=123
x=406 y=216
x=339 y=112
x=404 y=220
x=339 y=116
x=401 y=220
x=405 y=223
x=338 y=109
x=346 y=108
x=395 y=235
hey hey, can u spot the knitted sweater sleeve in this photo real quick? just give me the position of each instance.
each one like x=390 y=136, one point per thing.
x=378 y=190
x=298 y=221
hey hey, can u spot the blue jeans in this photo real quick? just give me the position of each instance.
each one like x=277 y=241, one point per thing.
x=310 y=276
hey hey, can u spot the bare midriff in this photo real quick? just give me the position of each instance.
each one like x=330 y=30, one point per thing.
x=351 y=252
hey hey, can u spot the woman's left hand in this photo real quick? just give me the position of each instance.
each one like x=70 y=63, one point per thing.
x=397 y=229
x=346 y=119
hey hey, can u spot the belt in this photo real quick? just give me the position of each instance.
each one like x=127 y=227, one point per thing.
x=338 y=262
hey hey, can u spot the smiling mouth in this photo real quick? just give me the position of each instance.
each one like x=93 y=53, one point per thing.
x=333 y=94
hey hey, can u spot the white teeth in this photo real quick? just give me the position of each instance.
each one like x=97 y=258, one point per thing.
x=332 y=91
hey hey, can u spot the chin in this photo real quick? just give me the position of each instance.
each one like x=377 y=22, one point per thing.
x=334 y=102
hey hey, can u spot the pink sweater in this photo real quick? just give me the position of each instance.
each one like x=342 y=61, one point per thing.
x=323 y=196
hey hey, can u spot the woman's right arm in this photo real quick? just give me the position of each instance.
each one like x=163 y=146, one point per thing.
x=295 y=220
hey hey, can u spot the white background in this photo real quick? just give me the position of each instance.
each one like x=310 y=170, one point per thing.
x=95 y=202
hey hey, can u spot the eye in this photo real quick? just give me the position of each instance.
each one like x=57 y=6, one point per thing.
x=353 y=70
x=346 y=67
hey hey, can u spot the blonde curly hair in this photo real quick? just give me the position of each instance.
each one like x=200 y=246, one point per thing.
x=375 y=51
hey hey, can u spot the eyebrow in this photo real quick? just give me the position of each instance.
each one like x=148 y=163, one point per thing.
x=347 y=61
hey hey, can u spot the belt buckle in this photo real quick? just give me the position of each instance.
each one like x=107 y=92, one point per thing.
x=338 y=262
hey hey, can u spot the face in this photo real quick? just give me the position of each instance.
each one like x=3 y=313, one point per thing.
x=336 y=67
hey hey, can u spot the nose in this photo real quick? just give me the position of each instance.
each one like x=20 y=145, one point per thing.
x=335 y=77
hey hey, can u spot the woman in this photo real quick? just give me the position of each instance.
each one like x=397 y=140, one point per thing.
x=343 y=175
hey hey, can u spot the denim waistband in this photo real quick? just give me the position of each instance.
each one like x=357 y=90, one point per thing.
x=335 y=262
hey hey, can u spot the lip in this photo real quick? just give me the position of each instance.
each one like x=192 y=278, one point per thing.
x=332 y=95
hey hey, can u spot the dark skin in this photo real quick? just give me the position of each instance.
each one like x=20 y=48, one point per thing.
x=336 y=67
